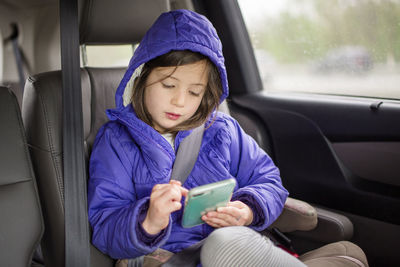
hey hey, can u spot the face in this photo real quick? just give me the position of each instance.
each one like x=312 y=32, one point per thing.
x=173 y=94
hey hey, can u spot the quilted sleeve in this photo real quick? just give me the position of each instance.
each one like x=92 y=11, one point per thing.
x=115 y=213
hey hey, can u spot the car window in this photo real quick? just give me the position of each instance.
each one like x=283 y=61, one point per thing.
x=341 y=47
x=106 y=55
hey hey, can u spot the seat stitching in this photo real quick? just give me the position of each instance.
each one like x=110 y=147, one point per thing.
x=51 y=145
x=334 y=220
x=356 y=261
x=21 y=131
x=352 y=259
x=32 y=178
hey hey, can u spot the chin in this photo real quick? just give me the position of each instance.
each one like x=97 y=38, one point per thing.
x=168 y=127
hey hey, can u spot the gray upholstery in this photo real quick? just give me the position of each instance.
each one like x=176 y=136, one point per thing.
x=332 y=227
x=42 y=116
x=252 y=126
x=297 y=215
x=338 y=254
x=21 y=224
x=42 y=109
x=104 y=82
x=128 y=24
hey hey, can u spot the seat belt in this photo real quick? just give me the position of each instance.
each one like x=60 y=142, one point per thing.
x=187 y=154
x=77 y=248
x=186 y=157
x=17 y=53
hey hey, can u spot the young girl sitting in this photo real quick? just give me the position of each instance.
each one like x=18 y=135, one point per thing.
x=174 y=83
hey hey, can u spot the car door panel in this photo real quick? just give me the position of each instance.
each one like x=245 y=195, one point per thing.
x=357 y=156
x=317 y=142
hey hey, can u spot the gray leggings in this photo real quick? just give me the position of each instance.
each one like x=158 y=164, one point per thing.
x=241 y=246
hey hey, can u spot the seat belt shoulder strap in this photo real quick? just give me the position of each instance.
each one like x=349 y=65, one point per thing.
x=187 y=155
x=77 y=248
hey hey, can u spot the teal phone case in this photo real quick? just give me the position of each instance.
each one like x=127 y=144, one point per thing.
x=206 y=198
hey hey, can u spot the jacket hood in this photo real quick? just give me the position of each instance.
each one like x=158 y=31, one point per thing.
x=174 y=30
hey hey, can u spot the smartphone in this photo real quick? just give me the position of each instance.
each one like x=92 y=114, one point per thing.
x=205 y=198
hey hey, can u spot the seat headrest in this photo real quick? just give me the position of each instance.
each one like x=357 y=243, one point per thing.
x=14 y=156
x=118 y=22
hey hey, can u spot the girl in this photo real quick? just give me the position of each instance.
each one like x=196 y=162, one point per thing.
x=174 y=83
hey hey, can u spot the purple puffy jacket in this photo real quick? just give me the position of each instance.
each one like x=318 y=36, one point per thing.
x=129 y=157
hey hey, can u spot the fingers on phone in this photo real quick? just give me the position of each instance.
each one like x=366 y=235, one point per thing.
x=184 y=191
x=232 y=211
x=176 y=205
x=167 y=197
x=223 y=219
x=173 y=193
x=238 y=204
x=222 y=222
x=160 y=189
x=214 y=225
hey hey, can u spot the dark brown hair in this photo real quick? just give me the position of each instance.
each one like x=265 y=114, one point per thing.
x=211 y=95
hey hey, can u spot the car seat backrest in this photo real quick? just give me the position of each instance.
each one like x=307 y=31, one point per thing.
x=106 y=22
x=42 y=116
x=103 y=83
x=21 y=223
x=253 y=127
x=42 y=109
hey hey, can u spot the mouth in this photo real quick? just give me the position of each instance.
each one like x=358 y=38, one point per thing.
x=172 y=116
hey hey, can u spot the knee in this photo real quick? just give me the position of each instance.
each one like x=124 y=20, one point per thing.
x=229 y=244
x=227 y=235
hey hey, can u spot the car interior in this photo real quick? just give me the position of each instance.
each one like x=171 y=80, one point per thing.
x=338 y=156
x=21 y=222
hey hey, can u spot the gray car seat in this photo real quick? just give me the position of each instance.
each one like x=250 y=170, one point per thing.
x=42 y=116
x=21 y=224
x=42 y=111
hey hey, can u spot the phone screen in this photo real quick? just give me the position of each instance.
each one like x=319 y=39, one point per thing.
x=206 y=198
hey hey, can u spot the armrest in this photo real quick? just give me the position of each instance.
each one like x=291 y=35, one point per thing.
x=332 y=227
x=335 y=224
x=297 y=215
x=317 y=224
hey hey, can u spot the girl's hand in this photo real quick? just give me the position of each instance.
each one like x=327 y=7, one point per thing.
x=164 y=199
x=234 y=214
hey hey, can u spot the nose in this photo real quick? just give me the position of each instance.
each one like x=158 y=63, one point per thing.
x=178 y=98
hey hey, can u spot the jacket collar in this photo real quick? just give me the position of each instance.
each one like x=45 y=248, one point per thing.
x=155 y=148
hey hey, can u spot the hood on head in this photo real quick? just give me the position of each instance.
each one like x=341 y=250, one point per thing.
x=174 y=30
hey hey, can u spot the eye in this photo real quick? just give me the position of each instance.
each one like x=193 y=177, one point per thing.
x=194 y=93
x=168 y=86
